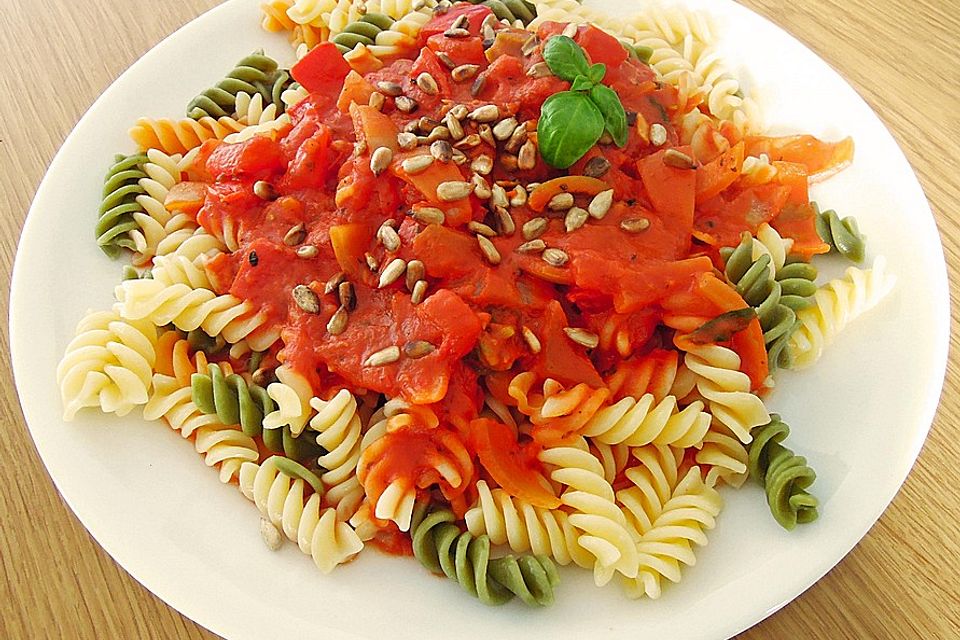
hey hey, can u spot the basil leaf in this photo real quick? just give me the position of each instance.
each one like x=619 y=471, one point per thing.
x=570 y=124
x=582 y=83
x=614 y=117
x=596 y=72
x=565 y=58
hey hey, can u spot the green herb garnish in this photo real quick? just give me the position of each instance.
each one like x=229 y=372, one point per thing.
x=572 y=121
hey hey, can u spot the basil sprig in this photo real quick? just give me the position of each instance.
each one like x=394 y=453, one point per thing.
x=572 y=121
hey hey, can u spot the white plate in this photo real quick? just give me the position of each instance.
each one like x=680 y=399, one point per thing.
x=860 y=415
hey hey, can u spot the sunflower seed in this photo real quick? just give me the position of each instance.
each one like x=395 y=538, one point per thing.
x=453 y=190
x=478 y=84
x=527 y=158
x=498 y=196
x=416 y=164
x=582 y=337
x=533 y=228
x=412 y=127
x=517 y=138
x=334 y=282
x=505 y=223
x=270 y=535
x=534 y=246
x=427 y=84
x=560 y=202
x=678 y=159
x=505 y=128
x=415 y=271
x=481 y=229
x=306 y=299
x=539 y=70
x=307 y=252
x=392 y=272
x=489 y=21
x=337 y=322
x=531 y=339
x=263 y=376
x=469 y=142
x=377 y=100
x=380 y=160
x=347 y=296
x=596 y=167
x=532 y=185
x=454 y=127
x=555 y=257
x=570 y=30
x=489 y=35
x=482 y=164
x=634 y=225
x=465 y=72
x=426 y=125
x=489 y=251
x=441 y=150
x=383 y=357
x=406 y=104
x=481 y=188
x=419 y=292
x=461 y=22
x=459 y=112
x=600 y=204
x=530 y=45
x=372 y=263
x=457 y=33
x=438 y=133
x=295 y=235
x=486 y=134
x=391 y=89
x=519 y=197
x=486 y=113
x=658 y=134
x=459 y=157
x=389 y=238
x=575 y=218
x=446 y=60
x=428 y=215
x=416 y=349
x=264 y=190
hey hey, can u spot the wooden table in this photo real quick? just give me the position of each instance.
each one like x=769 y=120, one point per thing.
x=901 y=581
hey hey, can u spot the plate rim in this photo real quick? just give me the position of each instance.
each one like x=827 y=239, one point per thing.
x=931 y=398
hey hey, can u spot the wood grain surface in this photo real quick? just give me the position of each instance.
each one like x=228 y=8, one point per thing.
x=901 y=581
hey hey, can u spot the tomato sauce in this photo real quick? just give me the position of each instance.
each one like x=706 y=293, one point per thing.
x=328 y=201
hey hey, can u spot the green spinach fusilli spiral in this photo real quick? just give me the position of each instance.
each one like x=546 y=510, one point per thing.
x=120 y=190
x=754 y=281
x=362 y=31
x=843 y=235
x=443 y=547
x=256 y=73
x=237 y=402
x=510 y=10
x=785 y=476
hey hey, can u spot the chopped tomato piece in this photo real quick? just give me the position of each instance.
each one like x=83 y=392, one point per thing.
x=821 y=158
x=443 y=21
x=355 y=90
x=255 y=159
x=714 y=177
x=585 y=185
x=513 y=467
x=322 y=70
x=601 y=46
